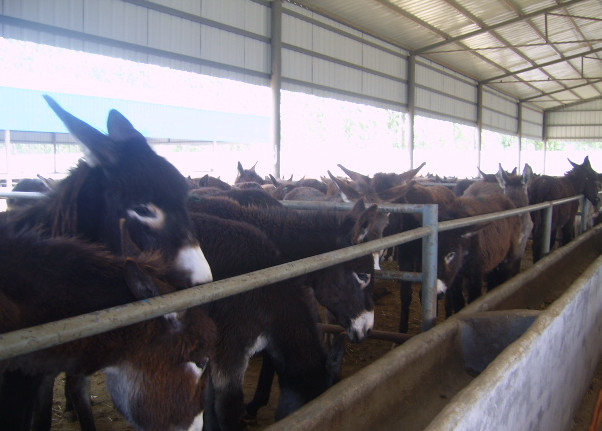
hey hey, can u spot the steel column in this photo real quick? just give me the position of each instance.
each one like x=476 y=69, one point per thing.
x=430 y=218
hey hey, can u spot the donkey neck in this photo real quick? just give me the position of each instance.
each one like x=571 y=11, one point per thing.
x=577 y=179
x=300 y=234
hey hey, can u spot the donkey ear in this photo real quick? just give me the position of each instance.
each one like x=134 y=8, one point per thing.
x=501 y=177
x=98 y=148
x=140 y=283
x=527 y=173
x=355 y=176
x=408 y=175
x=348 y=193
x=119 y=127
x=274 y=180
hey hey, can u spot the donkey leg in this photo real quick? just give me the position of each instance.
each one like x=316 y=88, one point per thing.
x=264 y=387
x=405 y=263
x=77 y=389
x=17 y=399
x=227 y=400
x=42 y=413
x=303 y=370
x=568 y=232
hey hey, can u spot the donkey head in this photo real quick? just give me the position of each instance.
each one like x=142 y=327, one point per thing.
x=161 y=386
x=351 y=302
x=124 y=178
x=590 y=179
x=248 y=175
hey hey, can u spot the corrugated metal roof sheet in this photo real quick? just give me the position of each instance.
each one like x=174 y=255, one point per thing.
x=544 y=52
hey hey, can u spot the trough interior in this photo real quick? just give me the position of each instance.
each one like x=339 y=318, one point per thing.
x=477 y=340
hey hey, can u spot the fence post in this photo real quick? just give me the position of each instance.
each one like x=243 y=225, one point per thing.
x=584 y=213
x=429 y=267
x=547 y=230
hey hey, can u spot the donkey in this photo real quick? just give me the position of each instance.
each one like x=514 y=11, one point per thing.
x=515 y=187
x=299 y=234
x=121 y=177
x=468 y=255
x=581 y=179
x=303 y=189
x=74 y=277
x=345 y=289
x=381 y=180
x=409 y=255
x=280 y=322
x=405 y=190
x=248 y=176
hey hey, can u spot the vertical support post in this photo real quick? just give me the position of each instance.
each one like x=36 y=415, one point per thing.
x=479 y=123
x=276 y=80
x=584 y=212
x=411 y=105
x=545 y=139
x=520 y=135
x=430 y=218
x=547 y=230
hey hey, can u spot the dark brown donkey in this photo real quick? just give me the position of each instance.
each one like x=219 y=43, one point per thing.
x=44 y=280
x=277 y=325
x=121 y=178
x=580 y=180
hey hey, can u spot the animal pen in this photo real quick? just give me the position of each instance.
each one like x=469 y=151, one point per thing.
x=499 y=355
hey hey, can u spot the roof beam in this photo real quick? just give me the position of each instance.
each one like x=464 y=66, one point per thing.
x=568 y=105
x=542 y=65
x=496 y=35
x=544 y=94
x=495 y=26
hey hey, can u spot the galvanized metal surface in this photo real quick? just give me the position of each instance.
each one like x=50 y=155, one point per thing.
x=503 y=44
x=547 y=55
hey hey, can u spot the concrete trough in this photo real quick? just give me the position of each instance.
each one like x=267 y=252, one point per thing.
x=519 y=358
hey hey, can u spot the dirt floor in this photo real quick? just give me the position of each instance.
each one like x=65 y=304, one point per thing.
x=357 y=356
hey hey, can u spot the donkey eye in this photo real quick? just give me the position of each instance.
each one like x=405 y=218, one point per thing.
x=449 y=257
x=363 y=278
x=202 y=364
x=143 y=211
x=148 y=214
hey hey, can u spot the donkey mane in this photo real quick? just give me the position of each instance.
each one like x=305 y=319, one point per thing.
x=56 y=216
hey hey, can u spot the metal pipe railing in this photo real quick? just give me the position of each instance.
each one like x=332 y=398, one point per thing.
x=53 y=333
x=50 y=334
x=21 y=195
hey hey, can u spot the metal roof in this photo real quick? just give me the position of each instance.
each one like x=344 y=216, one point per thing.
x=546 y=52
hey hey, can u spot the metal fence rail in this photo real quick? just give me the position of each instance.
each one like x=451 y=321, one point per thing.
x=54 y=333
